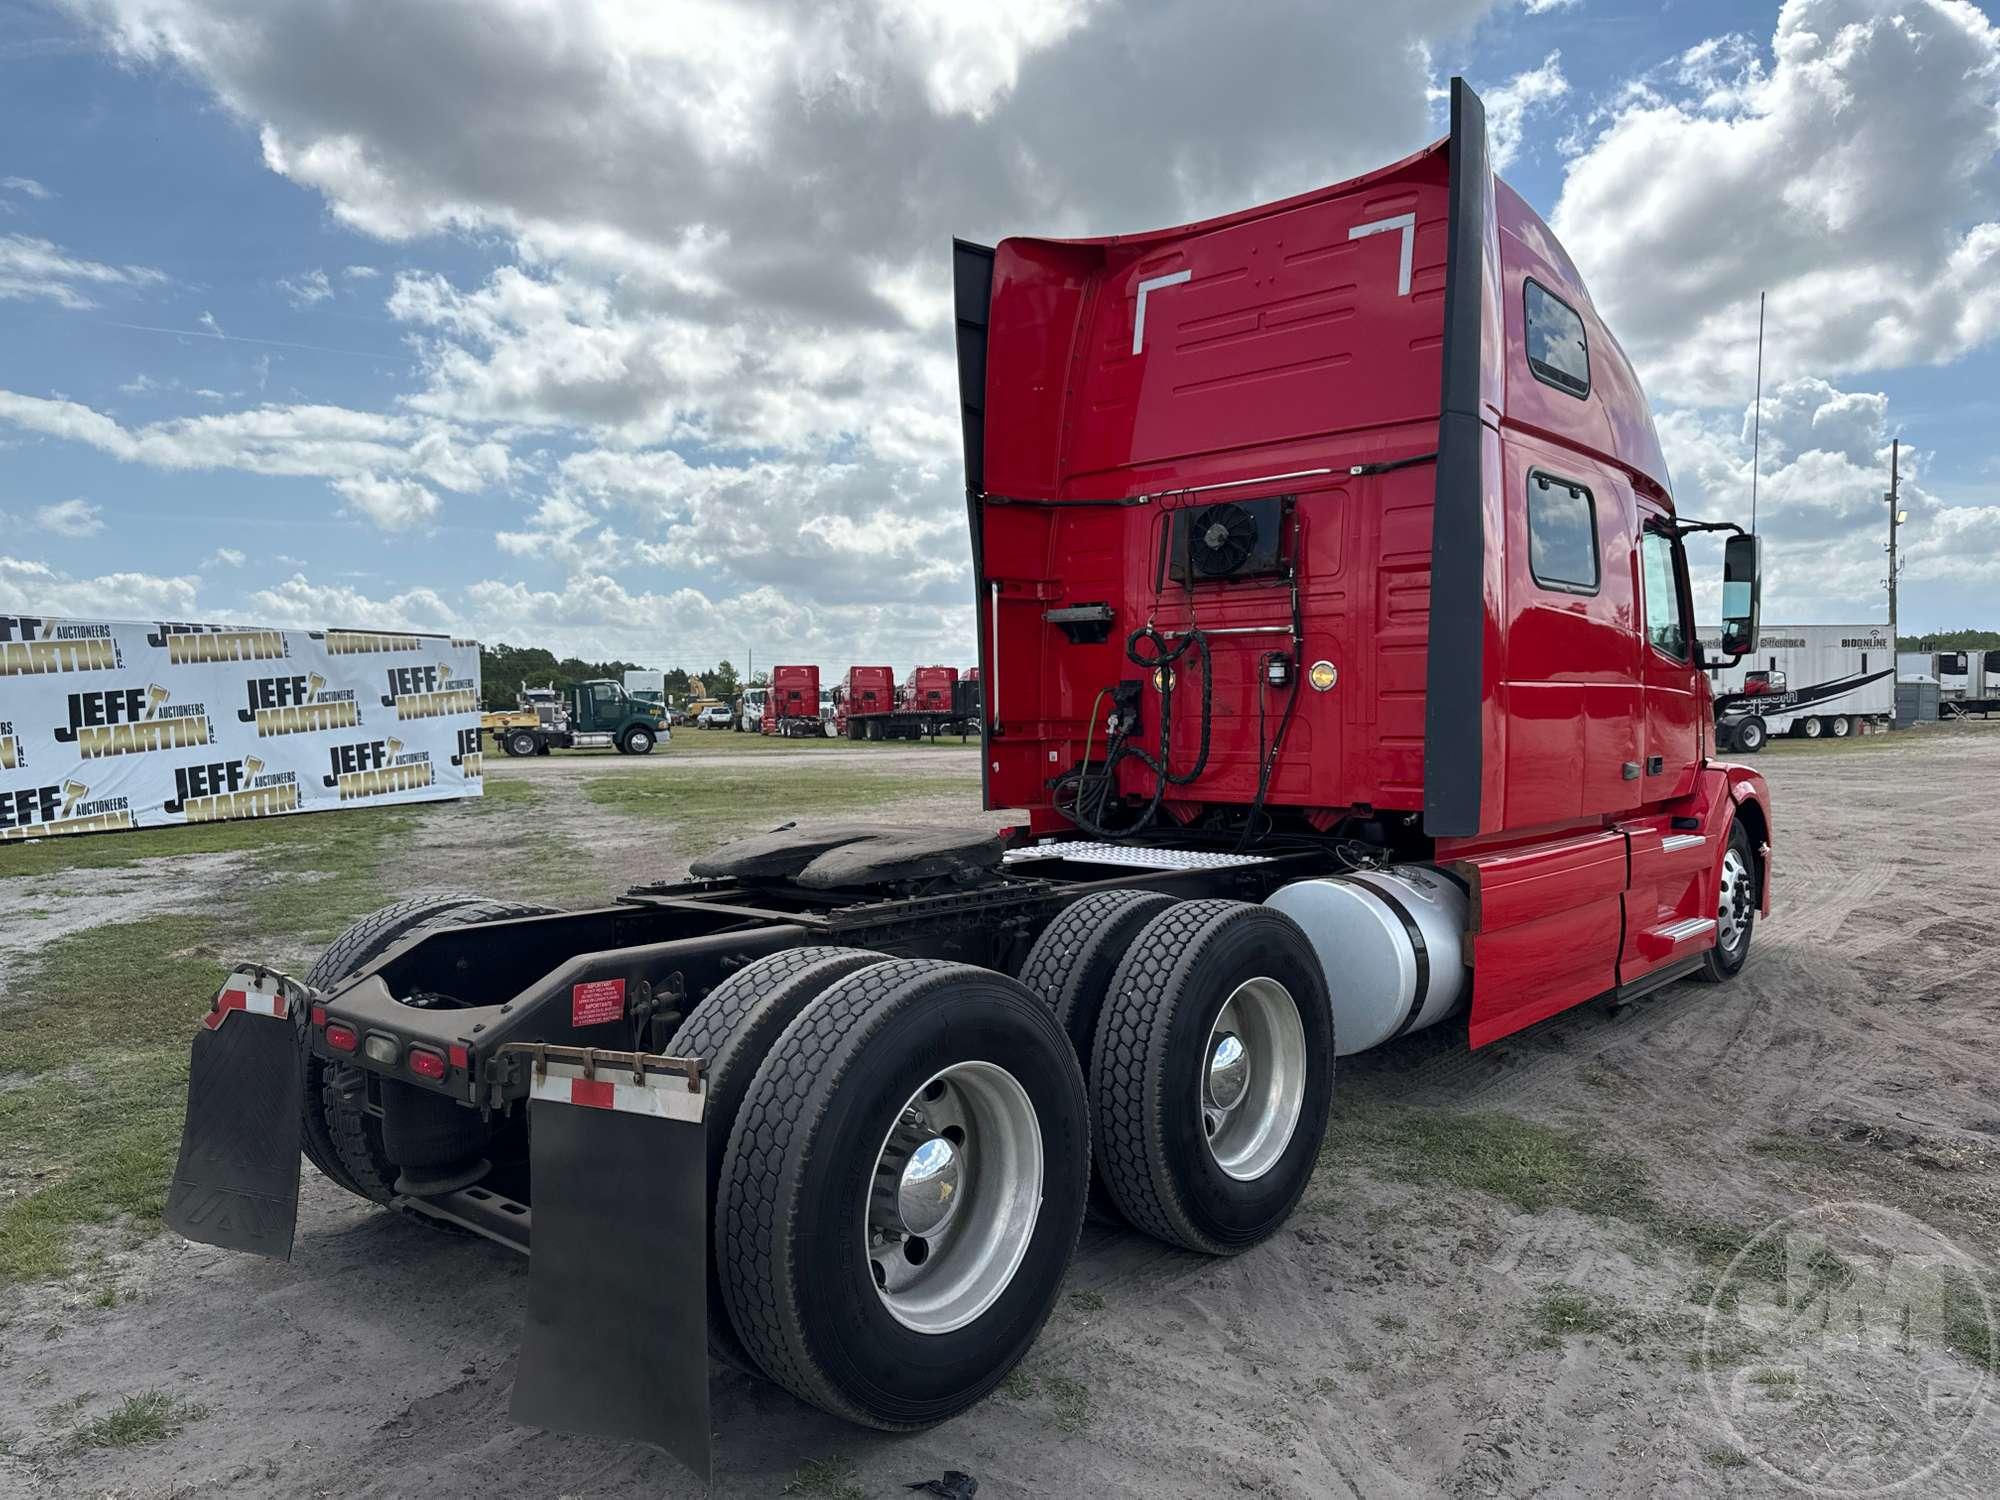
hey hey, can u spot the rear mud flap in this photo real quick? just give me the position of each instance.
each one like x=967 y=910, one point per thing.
x=237 y=1182
x=616 y=1342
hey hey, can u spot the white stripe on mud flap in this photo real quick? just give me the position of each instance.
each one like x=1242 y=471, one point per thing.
x=663 y=1096
x=252 y=996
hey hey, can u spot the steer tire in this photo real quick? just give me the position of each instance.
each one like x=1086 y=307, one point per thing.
x=1148 y=1065
x=1721 y=964
x=792 y=1218
x=637 y=742
x=1072 y=965
x=731 y=1031
x=520 y=743
x=1750 y=735
x=340 y=1136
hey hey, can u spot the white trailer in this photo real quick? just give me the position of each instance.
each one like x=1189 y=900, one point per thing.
x=1805 y=680
x=1968 y=681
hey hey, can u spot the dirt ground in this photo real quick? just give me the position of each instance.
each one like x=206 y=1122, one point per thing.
x=1498 y=1285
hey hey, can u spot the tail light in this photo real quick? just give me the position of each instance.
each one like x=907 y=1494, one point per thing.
x=426 y=1063
x=341 y=1038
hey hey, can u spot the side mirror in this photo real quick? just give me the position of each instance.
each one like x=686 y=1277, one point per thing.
x=1742 y=595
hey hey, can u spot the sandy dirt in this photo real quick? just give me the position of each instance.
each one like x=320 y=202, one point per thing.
x=1381 y=1345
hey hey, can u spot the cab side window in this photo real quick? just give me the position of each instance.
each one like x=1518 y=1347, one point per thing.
x=1562 y=535
x=1664 y=628
x=1558 y=352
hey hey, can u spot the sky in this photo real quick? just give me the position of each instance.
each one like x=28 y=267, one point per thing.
x=623 y=326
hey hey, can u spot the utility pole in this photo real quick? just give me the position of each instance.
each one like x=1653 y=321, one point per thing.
x=1895 y=519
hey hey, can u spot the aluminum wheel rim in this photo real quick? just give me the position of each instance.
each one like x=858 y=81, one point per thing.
x=1256 y=1053
x=1838 y=728
x=1732 y=916
x=976 y=1117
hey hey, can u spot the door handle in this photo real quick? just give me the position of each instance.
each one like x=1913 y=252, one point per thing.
x=1630 y=770
x=1655 y=764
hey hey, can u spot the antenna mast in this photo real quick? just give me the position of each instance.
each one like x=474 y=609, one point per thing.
x=1757 y=415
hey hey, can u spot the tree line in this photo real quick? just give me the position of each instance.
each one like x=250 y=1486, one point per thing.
x=504 y=668
x=1951 y=640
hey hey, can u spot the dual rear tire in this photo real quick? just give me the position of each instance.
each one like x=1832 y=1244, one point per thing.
x=903 y=1180
x=1208 y=1035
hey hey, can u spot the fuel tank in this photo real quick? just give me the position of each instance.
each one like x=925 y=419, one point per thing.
x=1392 y=943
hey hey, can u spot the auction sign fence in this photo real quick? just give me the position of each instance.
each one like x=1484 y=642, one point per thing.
x=107 y=725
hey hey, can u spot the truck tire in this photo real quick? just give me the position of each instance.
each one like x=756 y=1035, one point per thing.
x=519 y=743
x=1812 y=729
x=1071 y=967
x=1196 y=1148
x=638 y=741
x=1736 y=909
x=340 y=1137
x=731 y=1031
x=1840 y=726
x=851 y=1134
x=1750 y=735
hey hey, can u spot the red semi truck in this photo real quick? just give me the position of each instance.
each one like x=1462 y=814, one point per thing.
x=1336 y=641
x=791 y=706
x=864 y=703
x=869 y=705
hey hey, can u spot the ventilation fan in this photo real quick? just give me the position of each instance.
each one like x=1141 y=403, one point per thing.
x=1229 y=540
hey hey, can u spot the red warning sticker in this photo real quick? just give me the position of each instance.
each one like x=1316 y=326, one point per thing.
x=598 y=1001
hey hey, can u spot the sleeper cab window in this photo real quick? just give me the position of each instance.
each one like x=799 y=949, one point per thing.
x=1562 y=534
x=1557 y=351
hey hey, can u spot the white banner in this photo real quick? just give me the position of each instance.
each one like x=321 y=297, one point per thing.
x=108 y=724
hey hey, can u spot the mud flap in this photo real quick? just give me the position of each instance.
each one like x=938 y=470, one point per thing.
x=237 y=1182
x=616 y=1342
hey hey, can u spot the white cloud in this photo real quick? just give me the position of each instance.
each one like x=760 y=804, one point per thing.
x=207 y=320
x=30 y=587
x=1543 y=7
x=381 y=464
x=307 y=289
x=361 y=273
x=392 y=504
x=227 y=557
x=728 y=310
x=1822 y=476
x=71 y=518
x=36 y=268
x=27 y=187
x=1508 y=107
x=1853 y=178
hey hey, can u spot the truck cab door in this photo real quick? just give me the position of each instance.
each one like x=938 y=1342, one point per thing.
x=600 y=706
x=1670 y=690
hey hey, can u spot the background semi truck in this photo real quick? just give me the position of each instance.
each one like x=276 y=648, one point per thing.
x=1336 y=638
x=594 y=715
x=1811 y=681
x=791 y=706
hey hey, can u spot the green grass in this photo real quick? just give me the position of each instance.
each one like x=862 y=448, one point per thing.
x=96 y=1026
x=707 y=807
x=1070 y=1403
x=832 y=1478
x=1534 y=1167
x=1563 y=1311
x=145 y=1418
